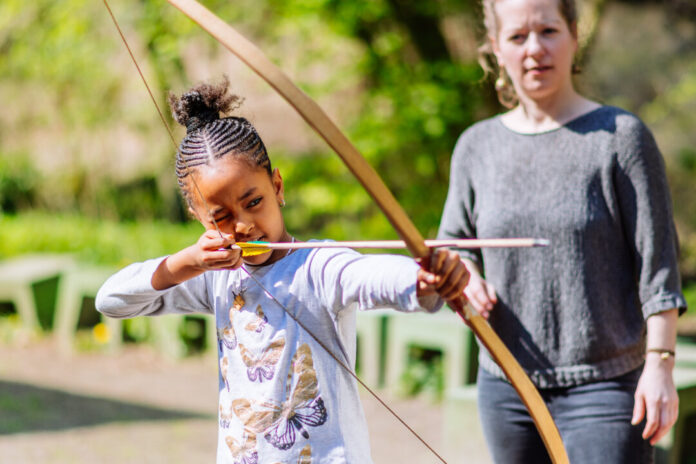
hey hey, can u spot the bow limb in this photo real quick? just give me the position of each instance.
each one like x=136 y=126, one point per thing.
x=372 y=182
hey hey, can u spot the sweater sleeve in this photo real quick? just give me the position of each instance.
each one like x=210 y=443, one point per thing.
x=372 y=281
x=646 y=213
x=458 y=217
x=129 y=293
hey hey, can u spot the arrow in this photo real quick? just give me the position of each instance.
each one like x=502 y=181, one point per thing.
x=253 y=248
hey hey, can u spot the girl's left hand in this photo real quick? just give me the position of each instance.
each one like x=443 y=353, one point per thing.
x=446 y=274
x=656 y=398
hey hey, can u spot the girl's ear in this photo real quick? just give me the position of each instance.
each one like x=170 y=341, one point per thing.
x=194 y=214
x=278 y=186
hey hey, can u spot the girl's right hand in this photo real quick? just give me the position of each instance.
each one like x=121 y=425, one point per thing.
x=212 y=252
x=481 y=294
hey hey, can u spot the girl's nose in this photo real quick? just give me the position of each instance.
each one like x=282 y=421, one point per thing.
x=243 y=227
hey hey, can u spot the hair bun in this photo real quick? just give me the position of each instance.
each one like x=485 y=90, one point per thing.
x=203 y=104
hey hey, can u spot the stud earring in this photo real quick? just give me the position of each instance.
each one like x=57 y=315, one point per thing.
x=281 y=203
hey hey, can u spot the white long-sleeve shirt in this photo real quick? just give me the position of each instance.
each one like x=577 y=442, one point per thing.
x=282 y=396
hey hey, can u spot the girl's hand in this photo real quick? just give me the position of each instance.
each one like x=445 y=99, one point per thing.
x=212 y=251
x=446 y=274
x=480 y=293
x=656 y=398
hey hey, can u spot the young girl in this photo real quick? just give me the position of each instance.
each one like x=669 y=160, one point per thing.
x=283 y=396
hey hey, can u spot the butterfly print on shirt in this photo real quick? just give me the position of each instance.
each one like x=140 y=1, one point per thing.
x=302 y=407
x=305 y=456
x=263 y=366
x=244 y=452
x=227 y=335
x=224 y=366
x=226 y=417
x=259 y=323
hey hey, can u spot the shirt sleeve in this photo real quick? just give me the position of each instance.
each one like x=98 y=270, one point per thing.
x=129 y=293
x=458 y=219
x=375 y=281
x=646 y=212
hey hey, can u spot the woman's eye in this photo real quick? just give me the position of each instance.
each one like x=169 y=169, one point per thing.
x=254 y=202
x=549 y=30
x=221 y=218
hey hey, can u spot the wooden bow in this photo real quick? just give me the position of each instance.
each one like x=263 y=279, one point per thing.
x=371 y=181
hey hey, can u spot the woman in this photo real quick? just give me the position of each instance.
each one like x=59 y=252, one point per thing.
x=592 y=317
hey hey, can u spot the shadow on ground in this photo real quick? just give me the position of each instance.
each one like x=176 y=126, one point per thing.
x=27 y=408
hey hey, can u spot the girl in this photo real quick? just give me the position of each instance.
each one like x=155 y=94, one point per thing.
x=285 y=319
x=592 y=319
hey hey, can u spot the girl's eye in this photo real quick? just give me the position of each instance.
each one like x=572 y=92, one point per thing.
x=221 y=218
x=516 y=38
x=254 y=202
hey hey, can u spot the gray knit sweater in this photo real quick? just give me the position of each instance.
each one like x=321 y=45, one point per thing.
x=573 y=312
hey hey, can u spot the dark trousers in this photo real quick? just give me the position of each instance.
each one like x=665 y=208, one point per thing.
x=594 y=421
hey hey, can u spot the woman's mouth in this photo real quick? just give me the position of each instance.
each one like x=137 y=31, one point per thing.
x=539 y=69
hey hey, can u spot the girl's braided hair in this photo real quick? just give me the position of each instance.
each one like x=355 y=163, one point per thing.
x=208 y=136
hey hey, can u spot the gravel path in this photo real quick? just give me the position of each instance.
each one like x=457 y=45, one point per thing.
x=138 y=407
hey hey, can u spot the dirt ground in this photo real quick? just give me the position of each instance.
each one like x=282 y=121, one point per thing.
x=138 y=407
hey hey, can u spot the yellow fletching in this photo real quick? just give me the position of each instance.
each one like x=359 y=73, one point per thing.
x=252 y=248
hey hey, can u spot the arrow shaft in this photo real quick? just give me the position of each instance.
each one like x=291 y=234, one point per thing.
x=397 y=244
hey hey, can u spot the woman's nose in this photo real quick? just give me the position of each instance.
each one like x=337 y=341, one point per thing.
x=534 y=45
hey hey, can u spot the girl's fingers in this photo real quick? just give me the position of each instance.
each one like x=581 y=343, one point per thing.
x=454 y=286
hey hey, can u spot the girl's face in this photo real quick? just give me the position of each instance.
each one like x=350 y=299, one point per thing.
x=536 y=46
x=244 y=201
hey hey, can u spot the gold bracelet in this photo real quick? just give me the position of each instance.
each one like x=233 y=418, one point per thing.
x=664 y=354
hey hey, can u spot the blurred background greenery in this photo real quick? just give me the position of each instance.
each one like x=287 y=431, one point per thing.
x=87 y=167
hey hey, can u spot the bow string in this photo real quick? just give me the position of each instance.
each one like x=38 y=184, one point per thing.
x=373 y=184
x=371 y=181
x=341 y=362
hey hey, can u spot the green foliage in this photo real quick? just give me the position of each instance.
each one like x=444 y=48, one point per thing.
x=93 y=241
x=423 y=374
x=19 y=182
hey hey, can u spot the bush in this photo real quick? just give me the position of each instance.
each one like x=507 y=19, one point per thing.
x=108 y=243
x=18 y=182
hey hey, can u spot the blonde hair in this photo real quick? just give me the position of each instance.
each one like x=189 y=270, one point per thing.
x=503 y=86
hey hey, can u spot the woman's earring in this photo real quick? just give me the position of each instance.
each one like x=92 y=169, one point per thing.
x=499 y=84
x=281 y=203
x=501 y=81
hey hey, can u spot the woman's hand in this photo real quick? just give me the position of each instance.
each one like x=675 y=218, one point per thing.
x=212 y=251
x=480 y=293
x=656 y=397
x=446 y=274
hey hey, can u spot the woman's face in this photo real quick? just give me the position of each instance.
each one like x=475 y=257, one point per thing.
x=536 y=46
x=244 y=201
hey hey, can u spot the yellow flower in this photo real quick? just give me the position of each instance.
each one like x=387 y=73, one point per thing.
x=101 y=333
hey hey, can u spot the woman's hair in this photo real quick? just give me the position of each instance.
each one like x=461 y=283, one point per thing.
x=208 y=136
x=488 y=61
